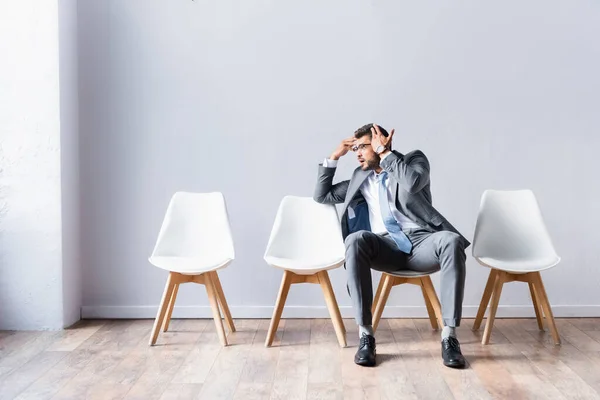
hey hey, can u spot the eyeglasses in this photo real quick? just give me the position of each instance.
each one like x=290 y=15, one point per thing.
x=361 y=146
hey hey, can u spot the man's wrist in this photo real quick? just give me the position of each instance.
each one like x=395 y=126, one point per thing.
x=334 y=157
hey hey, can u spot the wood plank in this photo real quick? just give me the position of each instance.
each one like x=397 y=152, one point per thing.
x=253 y=390
x=291 y=378
x=159 y=369
x=91 y=382
x=594 y=335
x=463 y=383
x=115 y=362
x=27 y=350
x=576 y=337
x=227 y=369
x=359 y=382
x=406 y=336
x=181 y=391
x=200 y=359
x=72 y=338
x=585 y=364
x=493 y=375
x=12 y=341
x=52 y=381
x=421 y=369
x=261 y=363
x=585 y=324
x=183 y=334
x=116 y=335
x=324 y=373
x=391 y=375
x=12 y=384
x=560 y=375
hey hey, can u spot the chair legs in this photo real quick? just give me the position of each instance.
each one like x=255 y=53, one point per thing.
x=222 y=301
x=162 y=309
x=539 y=298
x=284 y=289
x=388 y=281
x=539 y=316
x=485 y=299
x=216 y=298
x=170 y=309
x=540 y=293
x=214 y=305
x=321 y=278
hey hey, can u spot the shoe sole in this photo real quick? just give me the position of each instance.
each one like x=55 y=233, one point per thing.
x=456 y=366
x=365 y=363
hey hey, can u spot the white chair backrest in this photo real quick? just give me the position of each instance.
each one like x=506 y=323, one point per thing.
x=195 y=225
x=305 y=229
x=510 y=227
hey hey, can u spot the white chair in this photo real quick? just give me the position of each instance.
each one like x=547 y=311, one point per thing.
x=389 y=280
x=511 y=239
x=306 y=241
x=194 y=242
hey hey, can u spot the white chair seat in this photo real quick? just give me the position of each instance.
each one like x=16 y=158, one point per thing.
x=190 y=265
x=410 y=274
x=520 y=266
x=305 y=266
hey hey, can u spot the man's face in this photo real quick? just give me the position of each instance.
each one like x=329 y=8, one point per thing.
x=367 y=158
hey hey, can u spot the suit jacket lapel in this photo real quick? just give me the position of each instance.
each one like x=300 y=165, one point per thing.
x=396 y=184
x=355 y=184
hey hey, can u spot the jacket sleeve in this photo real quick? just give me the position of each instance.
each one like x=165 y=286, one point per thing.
x=410 y=171
x=325 y=191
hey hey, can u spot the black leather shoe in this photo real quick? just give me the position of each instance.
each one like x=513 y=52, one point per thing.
x=365 y=356
x=451 y=354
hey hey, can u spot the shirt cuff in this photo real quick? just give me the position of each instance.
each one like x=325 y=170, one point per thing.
x=330 y=163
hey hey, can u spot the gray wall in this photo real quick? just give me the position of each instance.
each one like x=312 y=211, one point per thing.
x=248 y=97
x=69 y=141
x=31 y=287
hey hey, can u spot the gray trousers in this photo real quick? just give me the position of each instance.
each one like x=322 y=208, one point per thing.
x=439 y=251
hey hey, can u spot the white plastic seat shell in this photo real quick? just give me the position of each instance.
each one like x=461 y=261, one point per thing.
x=511 y=235
x=306 y=237
x=195 y=236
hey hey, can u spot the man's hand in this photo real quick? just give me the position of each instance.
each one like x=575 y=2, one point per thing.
x=378 y=139
x=343 y=148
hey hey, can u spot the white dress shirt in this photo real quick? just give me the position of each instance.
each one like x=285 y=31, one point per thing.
x=370 y=191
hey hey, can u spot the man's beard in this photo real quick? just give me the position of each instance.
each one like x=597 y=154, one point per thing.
x=372 y=164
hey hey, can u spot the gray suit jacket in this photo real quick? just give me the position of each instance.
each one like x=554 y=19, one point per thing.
x=412 y=192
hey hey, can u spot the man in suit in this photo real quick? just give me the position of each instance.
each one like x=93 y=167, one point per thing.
x=389 y=224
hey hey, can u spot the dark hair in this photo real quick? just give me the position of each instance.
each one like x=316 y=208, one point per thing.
x=366 y=130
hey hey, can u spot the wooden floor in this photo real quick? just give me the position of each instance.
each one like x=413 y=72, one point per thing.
x=112 y=360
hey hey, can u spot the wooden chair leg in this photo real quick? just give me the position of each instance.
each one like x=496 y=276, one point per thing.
x=485 y=299
x=162 y=309
x=497 y=291
x=170 y=309
x=377 y=293
x=214 y=305
x=388 y=283
x=435 y=302
x=284 y=289
x=537 y=307
x=223 y=301
x=332 y=305
x=540 y=292
x=430 y=310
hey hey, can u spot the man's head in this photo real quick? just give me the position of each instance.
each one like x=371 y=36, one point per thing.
x=365 y=154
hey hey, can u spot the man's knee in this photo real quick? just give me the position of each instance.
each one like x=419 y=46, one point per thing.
x=450 y=239
x=358 y=238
